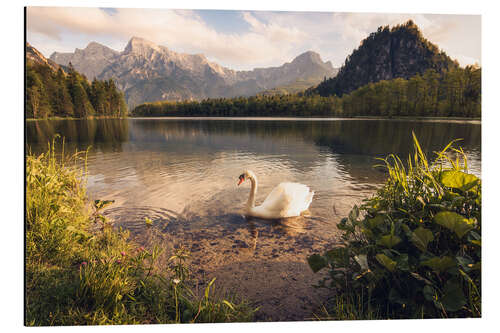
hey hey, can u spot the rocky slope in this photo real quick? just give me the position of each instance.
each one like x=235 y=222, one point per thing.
x=33 y=55
x=400 y=52
x=90 y=61
x=147 y=72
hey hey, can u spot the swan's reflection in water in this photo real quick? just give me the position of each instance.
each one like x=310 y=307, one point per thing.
x=230 y=235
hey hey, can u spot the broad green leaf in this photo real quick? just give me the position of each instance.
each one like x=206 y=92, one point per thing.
x=453 y=296
x=455 y=222
x=459 y=180
x=375 y=222
x=339 y=255
x=439 y=264
x=316 y=262
x=389 y=241
x=362 y=260
x=368 y=233
x=354 y=213
x=421 y=237
x=402 y=262
x=428 y=292
x=386 y=261
x=464 y=262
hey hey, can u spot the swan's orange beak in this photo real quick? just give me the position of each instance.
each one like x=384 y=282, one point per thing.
x=242 y=179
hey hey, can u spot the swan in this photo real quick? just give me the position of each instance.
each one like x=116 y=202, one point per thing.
x=285 y=200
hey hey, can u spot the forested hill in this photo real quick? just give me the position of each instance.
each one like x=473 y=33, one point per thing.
x=400 y=52
x=52 y=91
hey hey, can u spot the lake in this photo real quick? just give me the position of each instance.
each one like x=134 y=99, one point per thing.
x=182 y=174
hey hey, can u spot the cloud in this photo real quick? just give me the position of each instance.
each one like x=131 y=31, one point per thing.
x=264 y=39
x=180 y=30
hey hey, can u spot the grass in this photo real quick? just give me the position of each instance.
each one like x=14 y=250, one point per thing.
x=82 y=271
x=413 y=250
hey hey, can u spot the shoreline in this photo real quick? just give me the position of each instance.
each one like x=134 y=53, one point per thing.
x=430 y=119
x=271 y=118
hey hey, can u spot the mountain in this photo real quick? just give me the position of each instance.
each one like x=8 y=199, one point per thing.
x=146 y=72
x=33 y=55
x=90 y=61
x=400 y=52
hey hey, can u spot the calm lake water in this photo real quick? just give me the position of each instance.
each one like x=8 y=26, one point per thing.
x=182 y=173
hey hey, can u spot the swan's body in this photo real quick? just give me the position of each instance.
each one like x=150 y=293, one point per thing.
x=285 y=200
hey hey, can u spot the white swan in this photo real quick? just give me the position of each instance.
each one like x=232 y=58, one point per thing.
x=285 y=200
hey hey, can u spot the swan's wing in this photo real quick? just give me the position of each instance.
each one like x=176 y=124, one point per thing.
x=288 y=199
x=301 y=197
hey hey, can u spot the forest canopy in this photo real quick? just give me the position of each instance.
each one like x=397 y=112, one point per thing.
x=452 y=93
x=52 y=93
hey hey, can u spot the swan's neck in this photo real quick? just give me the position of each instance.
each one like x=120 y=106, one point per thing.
x=253 y=192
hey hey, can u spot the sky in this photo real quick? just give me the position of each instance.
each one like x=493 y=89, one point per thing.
x=240 y=39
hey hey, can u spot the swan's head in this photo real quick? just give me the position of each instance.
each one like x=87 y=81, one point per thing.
x=246 y=175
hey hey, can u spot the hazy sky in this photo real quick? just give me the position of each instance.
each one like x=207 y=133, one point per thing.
x=242 y=39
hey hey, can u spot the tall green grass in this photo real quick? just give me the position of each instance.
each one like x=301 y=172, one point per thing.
x=414 y=249
x=82 y=271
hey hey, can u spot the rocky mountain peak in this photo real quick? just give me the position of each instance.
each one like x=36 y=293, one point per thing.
x=146 y=71
x=140 y=45
x=311 y=62
x=308 y=56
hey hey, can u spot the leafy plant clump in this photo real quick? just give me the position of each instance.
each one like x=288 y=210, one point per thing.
x=414 y=249
x=82 y=271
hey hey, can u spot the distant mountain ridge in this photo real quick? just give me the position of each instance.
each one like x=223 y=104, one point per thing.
x=147 y=72
x=400 y=52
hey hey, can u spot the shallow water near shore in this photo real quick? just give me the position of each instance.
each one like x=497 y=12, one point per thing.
x=182 y=174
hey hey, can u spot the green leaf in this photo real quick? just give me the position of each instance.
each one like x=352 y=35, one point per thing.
x=389 y=241
x=455 y=222
x=421 y=237
x=207 y=289
x=77 y=231
x=99 y=204
x=464 y=262
x=316 y=262
x=375 y=222
x=429 y=293
x=362 y=260
x=353 y=214
x=476 y=242
x=453 y=297
x=420 y=278
x=386 y=261
x=439 y=264
x=402 y=262
x=228 y=304
x=339 y=255
x=458 y=179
